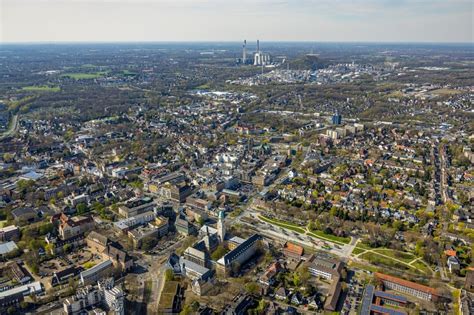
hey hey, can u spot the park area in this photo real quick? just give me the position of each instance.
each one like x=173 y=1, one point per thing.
x=303 y=230
x=41 y=88
x=84 y=75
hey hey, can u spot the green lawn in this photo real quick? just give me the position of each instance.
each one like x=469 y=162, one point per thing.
x=357 y=251
x=403 y=256
x=333 y=238
x=89 y=265
x=129 y=73
x=41 y=88
x=421 y=266
x=318 y=234
x=383 y=261
x=363 y=246
x=444 y=92
x=204 y=86
x=282 y=224
x=81 y=76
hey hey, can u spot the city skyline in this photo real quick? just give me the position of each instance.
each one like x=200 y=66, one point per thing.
x=213 y=20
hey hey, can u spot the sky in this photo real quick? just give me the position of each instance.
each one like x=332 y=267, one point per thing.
x=235 y=20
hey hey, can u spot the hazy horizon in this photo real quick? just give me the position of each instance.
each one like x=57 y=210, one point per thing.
x=249 y=42
x=360 y=21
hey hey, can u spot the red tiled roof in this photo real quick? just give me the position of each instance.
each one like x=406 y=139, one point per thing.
x=406 y=283
x=450 y=252
x=294 y=248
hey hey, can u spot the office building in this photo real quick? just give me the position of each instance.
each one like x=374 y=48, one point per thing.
x=239 y=255
x=105 y=295
x=326 y=268
x=404 y=286
x=96 y=272
x=9 y=233
x=337 y=118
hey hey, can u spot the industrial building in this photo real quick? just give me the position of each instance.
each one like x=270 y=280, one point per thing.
x=260 y=58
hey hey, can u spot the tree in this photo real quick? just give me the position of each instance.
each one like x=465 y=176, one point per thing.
x=398 y=225
x=24 y=305
x=100 y=209
x=190 y=240
x=218 y=253
x=24 y=185
x=68 y=134
x=191 y=308
x=72 y=286
x=186 y=310
x=81 y=208
x=38 y=203
x=305 y=275
x=97 y=206
x=49 y=248
x=67 y=248
x=46 y=228
x=200 y=221
x=268 y=257
x=296 y=279
x=328 y=230
x=33 y=264
x=252 y=288
x=7 y=157
x=137 y=184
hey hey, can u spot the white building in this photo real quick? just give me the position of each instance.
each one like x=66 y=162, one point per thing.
x=105 y=295
x=84 y=298
x=113 y=297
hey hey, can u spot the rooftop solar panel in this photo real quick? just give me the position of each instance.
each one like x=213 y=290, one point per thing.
x=384 y=310
x=389 y=296
x=367 y=300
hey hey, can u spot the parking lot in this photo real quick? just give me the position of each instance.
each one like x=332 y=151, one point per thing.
x=77 y=258
x=353 y=297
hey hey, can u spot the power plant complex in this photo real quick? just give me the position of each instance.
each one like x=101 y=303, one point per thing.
x=259 y=57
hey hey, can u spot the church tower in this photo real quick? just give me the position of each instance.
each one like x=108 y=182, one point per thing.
x=221 y=226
